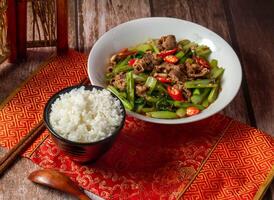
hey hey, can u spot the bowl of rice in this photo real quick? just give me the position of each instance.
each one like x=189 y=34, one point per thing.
x=84 y=121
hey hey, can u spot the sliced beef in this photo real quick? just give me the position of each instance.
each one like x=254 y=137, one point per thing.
x=146 y=63
x=175 y=72
x=164 y=67
x=119 y=81
x=195 y=71
x=141 y=90
x=167 y=42
x=138 y=66
x=152 y=58
x=177 y=75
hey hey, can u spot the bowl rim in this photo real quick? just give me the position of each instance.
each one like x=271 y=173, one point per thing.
x=53 y=98
x=179 y=120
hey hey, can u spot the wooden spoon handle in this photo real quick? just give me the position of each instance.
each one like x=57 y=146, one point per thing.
x=59 y=181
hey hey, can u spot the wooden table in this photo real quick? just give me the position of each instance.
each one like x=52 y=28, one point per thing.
x=248 y=25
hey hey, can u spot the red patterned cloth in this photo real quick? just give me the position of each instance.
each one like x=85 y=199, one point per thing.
x=216 y=158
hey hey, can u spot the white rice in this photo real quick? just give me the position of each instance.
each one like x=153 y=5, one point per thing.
x=85 y=116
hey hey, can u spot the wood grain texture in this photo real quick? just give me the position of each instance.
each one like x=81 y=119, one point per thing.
x=14 y=185
x=21 y=31
x=256 y=46
x=62 y=26
x=97 y=17
x=211 y=15
x=11 y=12
x=72 y=24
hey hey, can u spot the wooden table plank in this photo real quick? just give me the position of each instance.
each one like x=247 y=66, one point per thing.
x=97 y=17
x=254 y=30
x=211 y=15
x=14 y=185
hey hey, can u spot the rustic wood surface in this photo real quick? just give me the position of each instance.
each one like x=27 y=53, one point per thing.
x=247 y=25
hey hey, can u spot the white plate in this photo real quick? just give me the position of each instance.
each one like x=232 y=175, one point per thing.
x=140 y=30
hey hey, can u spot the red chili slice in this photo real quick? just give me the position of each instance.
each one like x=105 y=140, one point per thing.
x=131 y=62
x=171 y=59
x=192 y=111
x=163 y=79
x=201 y=62
x=175 y=93
x=166 y=53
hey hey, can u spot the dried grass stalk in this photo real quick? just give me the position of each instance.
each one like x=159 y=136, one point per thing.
x=3 y=29
x=44 y=21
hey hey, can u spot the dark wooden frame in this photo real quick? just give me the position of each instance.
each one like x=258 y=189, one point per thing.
x=17 y=28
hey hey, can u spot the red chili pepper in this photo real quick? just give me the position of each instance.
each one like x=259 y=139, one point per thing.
x=131 y=62
x=166 y=53
x=201 y=62
x=125 y=52
x=171 y=59
x=163 y=79
x=192 y=111
x=175 y=93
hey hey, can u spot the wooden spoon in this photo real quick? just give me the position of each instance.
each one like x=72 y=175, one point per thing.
x=59 y=181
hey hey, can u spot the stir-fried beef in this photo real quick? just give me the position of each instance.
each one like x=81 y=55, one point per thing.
x=164 y=67
x=119 y=81
x=177 y=75
x=141 y=90
x=152 y=58
x=146 y=63
x=167 y=42
x=195 y=71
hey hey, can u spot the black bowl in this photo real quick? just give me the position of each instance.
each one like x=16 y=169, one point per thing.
x=81 y=152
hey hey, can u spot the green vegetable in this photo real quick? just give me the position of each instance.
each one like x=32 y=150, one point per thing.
x=188 y=46
x=123 y=94
x=145 y=110
x=123 y=62
x=179 y=104
x=189 y=60
x=140 y=77
x=210 y=85
x=151 y=83
x=143 y=47
x=125 y=102
x=213 y=93
x=203 y=51
x=130 y=87
x=160 y=87
x=196 y=91
x=139 y=108
x=163 y=114
x=139 y=54
x=197 y=99
x=184 y=42
x=186 y=56
x=213 y=63
x=163 y=104
x=151 y=99
x=205 y=103
x=122 y=68
x=216 y=72
x=180 y=54
x=200 y=83
x=154 y=47
x=181 y=112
